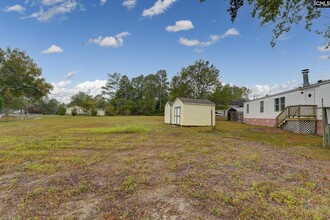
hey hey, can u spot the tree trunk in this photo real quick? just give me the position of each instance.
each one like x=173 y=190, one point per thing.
x=27 y=112
x=6 y=111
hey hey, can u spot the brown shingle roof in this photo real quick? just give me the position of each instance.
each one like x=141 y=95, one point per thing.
x=196 y=101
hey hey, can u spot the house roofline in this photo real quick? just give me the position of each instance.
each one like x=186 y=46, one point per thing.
x=292 y=90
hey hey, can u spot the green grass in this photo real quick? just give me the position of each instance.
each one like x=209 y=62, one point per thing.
x=110 y=130
x=140 y=168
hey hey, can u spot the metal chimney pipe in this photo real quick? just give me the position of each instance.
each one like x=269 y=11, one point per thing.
x=305 y=77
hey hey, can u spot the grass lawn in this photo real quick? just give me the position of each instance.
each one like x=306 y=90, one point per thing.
x=140 y=168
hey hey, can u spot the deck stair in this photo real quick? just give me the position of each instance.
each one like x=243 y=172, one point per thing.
x=298 y=115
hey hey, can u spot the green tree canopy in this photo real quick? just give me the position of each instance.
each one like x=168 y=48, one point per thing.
x=1 y=105
x=50 y=106
x=162 y=88
x=224 y=95
x=20 y=78
x=283 y=14
x=83 y=100
x=139 y=95
x=112 y=85
x=196 y=81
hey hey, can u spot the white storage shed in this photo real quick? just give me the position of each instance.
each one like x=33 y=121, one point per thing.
x=192 y=112
x=168 y=113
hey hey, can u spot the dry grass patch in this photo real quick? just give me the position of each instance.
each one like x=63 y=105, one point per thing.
x=141 y=168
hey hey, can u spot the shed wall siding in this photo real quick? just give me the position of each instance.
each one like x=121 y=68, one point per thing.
x=178 y=103
x=167 y=114
x=198 y=115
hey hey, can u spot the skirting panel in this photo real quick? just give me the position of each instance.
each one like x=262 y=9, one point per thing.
x=301 y=127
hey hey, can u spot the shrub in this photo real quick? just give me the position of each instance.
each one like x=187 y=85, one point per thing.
x=94 y=112
x=61 y=111
x=110 y=110
x=74 y=112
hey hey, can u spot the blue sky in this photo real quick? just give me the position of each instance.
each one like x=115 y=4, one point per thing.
x=77 y=42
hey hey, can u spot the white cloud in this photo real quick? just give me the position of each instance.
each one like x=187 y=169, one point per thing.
x=63 y=90
x=212 y=39
x=159 y=7
x=183 y=25
x=71 y=74
x=91 y=87
x=259 y=91
x=52 y=49
x=285 y=37
x=230 y=32
x=102 y=2
x=51 y=2
x=189 y=43
x=129 y=3
x=324 y=57
x=63 y=84
x=58 y=8
x=323 y=49
x=110 y=41
x=15 y=8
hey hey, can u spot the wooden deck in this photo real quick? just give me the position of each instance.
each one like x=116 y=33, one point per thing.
x=296 y=113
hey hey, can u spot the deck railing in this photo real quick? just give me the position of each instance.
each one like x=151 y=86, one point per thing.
x=296 y=111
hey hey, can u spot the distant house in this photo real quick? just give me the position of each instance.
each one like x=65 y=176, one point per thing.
x=100 y=112
x=79 y=110
x=190 y=112
x=235 y=110
x=238 y=102
x=168 y=113
x=296 y=110
x=235 y=113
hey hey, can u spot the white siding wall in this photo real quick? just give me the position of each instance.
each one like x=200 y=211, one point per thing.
x=78 y=109
x=100 y=112
x=291 y=98
x=322 y=92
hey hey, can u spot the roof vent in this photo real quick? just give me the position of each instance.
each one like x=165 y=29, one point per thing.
x=305 y=77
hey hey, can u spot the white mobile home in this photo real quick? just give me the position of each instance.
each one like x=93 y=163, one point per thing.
x=193 y=112
x=297 y=109
x=79 y=110
x=100 y=112
x=168 y=113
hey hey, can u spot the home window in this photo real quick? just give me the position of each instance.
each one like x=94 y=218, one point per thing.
x=247 y=108
x=279 y=104
x=282 y=103
x=261 y=106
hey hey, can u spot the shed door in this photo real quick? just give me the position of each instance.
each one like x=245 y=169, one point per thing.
x=177 y=115
x=310 y=97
